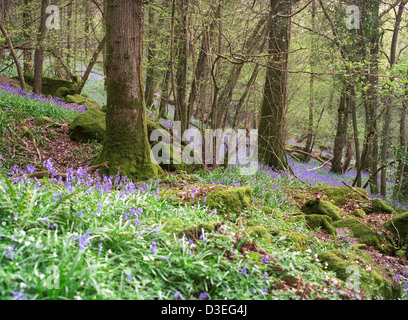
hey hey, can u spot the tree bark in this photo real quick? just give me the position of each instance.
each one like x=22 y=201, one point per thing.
x=151 y=56
x=342 y=126
x=126 y=147
x=14 y=54
x=272 y=122
x=39 y=51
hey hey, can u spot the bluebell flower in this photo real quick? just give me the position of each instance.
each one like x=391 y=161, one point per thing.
x=203 y=295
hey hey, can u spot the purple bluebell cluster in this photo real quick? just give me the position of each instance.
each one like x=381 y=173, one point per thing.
x=41 y=98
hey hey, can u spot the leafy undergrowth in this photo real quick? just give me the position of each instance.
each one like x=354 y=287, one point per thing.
x=74 y=234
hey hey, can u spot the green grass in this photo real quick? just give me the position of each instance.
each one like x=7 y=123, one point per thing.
x=22 y=107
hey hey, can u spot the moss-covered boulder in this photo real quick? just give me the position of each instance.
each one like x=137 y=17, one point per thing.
x=194 y=232
x=88 y=126
x=364 y=234
x=82 y=101
x=359 y=213
x=171 y=224
x=321 y=221
x=360 y=273
x=50 y=86
x=259 y=232
x=339 y=196
x=324 y=208
x=398 y=225
x=299 y=241
x=379 y=206
x=232 y=201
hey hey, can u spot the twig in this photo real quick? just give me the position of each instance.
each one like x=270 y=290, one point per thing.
x=354 y=189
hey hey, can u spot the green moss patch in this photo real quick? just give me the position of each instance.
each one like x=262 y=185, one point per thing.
x=322 y=207
x=398 y=225
x=299 y=240
x=363 y=233
x=81 y=100
x=88 y=126
x=360 y=272
x=340 y=196
x=50 y=86
x=359 y=213
x=259 y=232
x=232 y=201
x=321 y=221
x=379 y=206
x=194 y=232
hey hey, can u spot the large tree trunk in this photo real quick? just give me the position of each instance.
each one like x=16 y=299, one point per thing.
x=39 y=52
x=151 y=57
x=272 y=122
x=126 y=146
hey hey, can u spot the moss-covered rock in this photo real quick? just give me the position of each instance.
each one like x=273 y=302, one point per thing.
x=324 y=208
x=25 y=132
x=82 y=101
x=259 y=232
x=379 y=206
x=194 y=232
x=42 y=120
x=339 y=196
x=321 y=221
x=360 y=272
x=359 y=213
x=171 y=224
x=88 y=126
x=300 y=241
x=398 y=225
x=50 y=86
x=232 y=201
x=364 y=234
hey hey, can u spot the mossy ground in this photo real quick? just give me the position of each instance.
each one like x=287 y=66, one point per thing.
x=359 y=272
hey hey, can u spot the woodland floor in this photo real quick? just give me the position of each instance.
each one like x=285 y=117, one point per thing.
x=67 y=153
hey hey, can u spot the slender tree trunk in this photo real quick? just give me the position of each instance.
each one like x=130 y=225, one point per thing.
x=91 y=64
x=342 y=126
x=356 y=139
x=309 y=139
x=28 y=55
x=244 y=96
x=39 y=51
x=389 y=102
x=180 y=98
x=14 y=54
x=126 y=147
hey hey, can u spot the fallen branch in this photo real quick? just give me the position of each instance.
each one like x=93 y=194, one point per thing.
x=310 y=154
x=355 y=190
x=42 y=174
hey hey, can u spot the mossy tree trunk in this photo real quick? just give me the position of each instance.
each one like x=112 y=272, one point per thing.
x=126 y=146
x=272 y=122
